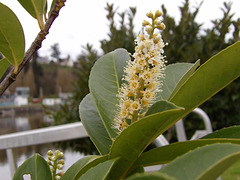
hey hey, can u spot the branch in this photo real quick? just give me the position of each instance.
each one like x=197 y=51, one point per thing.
x=37 y=43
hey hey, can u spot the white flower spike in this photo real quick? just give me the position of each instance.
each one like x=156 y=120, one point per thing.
x=143 y=76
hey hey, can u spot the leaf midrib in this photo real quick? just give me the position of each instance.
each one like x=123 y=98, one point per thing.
x=10 y=48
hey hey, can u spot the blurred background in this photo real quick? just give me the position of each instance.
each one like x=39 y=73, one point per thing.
x=49 y=89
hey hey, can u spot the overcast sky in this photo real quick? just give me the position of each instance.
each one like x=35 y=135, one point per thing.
x=82 y=22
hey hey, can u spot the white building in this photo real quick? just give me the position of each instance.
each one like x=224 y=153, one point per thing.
x=51 y=101
x=21 y=96
x=20 y=101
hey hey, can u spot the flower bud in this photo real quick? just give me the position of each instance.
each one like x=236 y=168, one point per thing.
x=59 y=166
x=57 y=177
x=61 y=173
x=53 y=158
x=50 y=153
x=158 y=13
x=156 y=38
x=145 y=23
x=61 y=161
x=157 y=21
x=59 y=154
x=49 y=162
x=150 y=14
x=161 y=26
x=149 y=29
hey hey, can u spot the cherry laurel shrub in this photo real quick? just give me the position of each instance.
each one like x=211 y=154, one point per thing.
x=135 y=98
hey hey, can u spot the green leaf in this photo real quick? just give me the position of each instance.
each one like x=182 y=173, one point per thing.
x=36 y=8
x=185 y=77
x=76 y=167
x=142 y=133
x=12 y=42
x=160 y=106
x=4 y=64
x=175 y=75
x=207 y=162
x=90 y=165
x=229 y=132
x=104 y=81
x=151 y=176
x=94 y=125
x=211 y=77
x=36 y=166
x=137 y=170
x=100 y=171
x=165 y=154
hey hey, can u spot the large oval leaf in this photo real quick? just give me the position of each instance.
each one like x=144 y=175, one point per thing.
x=175 y=75
x=36 y=166
x=35 y=8
x=104 y=81
x=165 y=154
x=12 y=42
x=228 y=132
x=133 y=140
x=4 y=64
x=94 y=125
x=77 y=166
x=89 y=165
x=100 y=171
x=208 y=162
x=185 y=77
x=211 y=77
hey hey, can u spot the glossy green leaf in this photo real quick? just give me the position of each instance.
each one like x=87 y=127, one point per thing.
x=94 y=125
x=104 y=81
x=151 y=176
x=185 y=77
x=36 y=166
x=165 y=154
x=77 y=166
x=160 y=106
x=208 y=79
x=142 y=133
x=36 y=8
x=100 y=171
x=90 y=165
x=137 y=170
x=229 y=132
x=207 y=162
x=175 y=75
x=12 y=42
x=4 y=64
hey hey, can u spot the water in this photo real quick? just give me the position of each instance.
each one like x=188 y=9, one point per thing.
x=23 y=123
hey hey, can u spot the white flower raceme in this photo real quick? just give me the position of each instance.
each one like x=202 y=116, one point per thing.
x=142 y=79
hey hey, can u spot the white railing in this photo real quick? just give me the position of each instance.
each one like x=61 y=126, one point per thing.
x=181 y=134
x=39 y=136
x=75 y=131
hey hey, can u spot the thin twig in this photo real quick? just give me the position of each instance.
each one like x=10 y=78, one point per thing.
x=37 y=43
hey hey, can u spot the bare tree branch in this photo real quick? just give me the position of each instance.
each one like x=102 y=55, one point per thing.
x=37 y=43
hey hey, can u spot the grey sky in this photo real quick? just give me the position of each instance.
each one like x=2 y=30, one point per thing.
x=81 y=22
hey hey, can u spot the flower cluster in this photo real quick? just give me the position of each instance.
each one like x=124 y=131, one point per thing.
x=142 y=79
x=56 y=163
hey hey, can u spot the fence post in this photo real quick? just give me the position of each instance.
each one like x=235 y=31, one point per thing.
x=11 y=161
